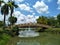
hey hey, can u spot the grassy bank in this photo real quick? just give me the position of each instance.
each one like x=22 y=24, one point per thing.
x=56 y=30
x=4 y=38
x=45 y=38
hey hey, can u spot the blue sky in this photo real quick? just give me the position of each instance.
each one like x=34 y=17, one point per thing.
x=30 y=10
x=52 y=9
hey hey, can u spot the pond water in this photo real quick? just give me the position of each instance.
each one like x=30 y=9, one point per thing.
x=28 y=43
x=45 y=38
x=28 y=33
x=30 y=37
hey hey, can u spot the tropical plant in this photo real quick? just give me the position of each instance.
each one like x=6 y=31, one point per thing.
x=5 y=8
x=5 y=11
x=1 y=23
x=12 y=4
x=12 y=20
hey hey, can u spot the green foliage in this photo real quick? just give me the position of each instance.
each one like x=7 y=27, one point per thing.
x=42 y=20
x=38 y=29
x=12 y=20
x=53 y=30
x=52 y=21
x=15 y=30
x=11 y=5
x=5 y=9
x=1 y=24
x=58 y=18
x=4 y=39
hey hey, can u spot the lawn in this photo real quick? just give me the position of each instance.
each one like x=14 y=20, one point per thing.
x=4 y=38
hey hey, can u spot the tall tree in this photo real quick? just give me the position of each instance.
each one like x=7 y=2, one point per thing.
x=42 y=20
x=5 y=11
x=52 y=21
x=58 y=18
x=12 y=5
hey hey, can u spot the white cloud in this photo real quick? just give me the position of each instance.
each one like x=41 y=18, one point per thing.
x=2 y=4
x=18 y=1
x=46 y=0
x=21 y=18
x=55 y=17
x=58 y=2
x=1 y=17
x=5 y=1
x=41 y=7
x=24 y=7
x=33 y=13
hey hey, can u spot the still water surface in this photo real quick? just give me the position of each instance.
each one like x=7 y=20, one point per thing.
x=46 y=38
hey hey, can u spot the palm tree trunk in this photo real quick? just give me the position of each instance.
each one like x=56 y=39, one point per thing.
x=11 y=13
x=12 y=8
x=4 y=21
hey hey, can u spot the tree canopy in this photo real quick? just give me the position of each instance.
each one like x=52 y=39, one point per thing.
x=12 y=20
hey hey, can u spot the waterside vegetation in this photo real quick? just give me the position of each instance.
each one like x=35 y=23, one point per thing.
x=11 y=31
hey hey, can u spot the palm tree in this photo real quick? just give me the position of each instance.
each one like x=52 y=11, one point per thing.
x=1 y=1
x=5 y=11
x=12 y=4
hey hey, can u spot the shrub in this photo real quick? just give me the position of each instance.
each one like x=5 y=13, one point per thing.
x=4 y=39
x=15 y=29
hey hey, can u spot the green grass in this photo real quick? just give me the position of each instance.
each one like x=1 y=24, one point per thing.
x=4 y=39
x=53 y=30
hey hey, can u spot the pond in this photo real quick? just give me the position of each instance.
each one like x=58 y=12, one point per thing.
x=28 y=43
x=45 y=38
x=28 y=33
x=30 y=37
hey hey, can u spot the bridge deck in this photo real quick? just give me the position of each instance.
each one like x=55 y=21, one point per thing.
x=34 y=25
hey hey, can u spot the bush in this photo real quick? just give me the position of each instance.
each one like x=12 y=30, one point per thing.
x=1 y=23
x=38 y=29
x=55 y=30
x=15 y=29
x=4 y=39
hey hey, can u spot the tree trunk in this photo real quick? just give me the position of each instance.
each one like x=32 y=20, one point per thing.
x=11 y=13
x=4 y=21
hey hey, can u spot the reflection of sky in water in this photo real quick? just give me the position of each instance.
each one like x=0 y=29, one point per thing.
x=33 y=43
x=28 y=43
